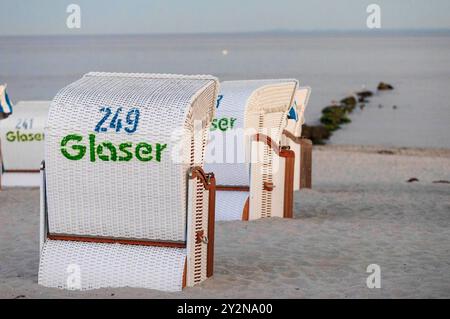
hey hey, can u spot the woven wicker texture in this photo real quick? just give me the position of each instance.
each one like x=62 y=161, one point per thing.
x=129 y=199
x=230 y=205
x=78 y=265
x=22 y=136
x=239 y=99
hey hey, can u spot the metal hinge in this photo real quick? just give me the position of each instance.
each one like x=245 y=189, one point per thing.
x=200 y=237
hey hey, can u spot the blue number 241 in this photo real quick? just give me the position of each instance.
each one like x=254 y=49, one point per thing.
x=116 y=122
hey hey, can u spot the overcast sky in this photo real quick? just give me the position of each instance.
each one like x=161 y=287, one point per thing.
x=34 y=17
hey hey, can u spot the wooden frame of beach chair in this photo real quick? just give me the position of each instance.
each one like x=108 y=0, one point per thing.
x=22 y=138
x=301 y=146
x=135 y=218
x=261 y=185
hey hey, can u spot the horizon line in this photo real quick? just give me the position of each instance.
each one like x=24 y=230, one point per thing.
x=261 y=32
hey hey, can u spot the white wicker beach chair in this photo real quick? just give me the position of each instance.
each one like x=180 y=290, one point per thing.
x=125 y=202
x=301 y=146
x=254 y=178
x=22 y=143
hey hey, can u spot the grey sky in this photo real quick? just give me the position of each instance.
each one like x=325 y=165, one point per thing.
x=34 y=17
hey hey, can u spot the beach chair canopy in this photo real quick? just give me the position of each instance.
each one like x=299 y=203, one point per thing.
x=244 y=109
x=119 y=148
x=296 y=117
x=22 y=137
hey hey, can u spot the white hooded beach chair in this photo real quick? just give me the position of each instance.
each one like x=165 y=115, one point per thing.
x=22 y=143
x=124 y=199
x=254 y=174
x=301 y=146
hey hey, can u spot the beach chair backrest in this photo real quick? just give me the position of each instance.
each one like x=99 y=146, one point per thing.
x=269 y=114
x=22 y=137
x=245 y=108
x=269 y=107
x=118 y=149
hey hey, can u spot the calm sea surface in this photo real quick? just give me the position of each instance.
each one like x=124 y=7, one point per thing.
x=36 y=68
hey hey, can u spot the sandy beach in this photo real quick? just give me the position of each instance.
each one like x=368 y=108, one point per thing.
x=360 y=211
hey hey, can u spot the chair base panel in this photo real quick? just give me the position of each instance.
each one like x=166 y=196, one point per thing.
x=230 y=205
x=85 y=266
x=20 y=179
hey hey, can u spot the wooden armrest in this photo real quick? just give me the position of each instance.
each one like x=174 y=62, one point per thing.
x=289 y=156
x=207 y=179
x=209 y=183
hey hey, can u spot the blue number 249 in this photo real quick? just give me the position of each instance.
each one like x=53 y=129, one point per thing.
x=131 y=119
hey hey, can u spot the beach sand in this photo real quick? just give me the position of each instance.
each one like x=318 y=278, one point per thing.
x=360 y=211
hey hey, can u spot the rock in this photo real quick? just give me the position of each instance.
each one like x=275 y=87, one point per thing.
x=384 y=86
x=387 y=152
x=362 y=100
x=333 y=109
x=348 y=108
x=394 y=107
x=317 y=133
x=333 y=116
x=364 y=94
x=412 y=179
x=380 y=106
x=349 y=101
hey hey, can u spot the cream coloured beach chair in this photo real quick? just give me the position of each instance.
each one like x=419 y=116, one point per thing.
x=22 y=143
x=301 y=146
x=253 y=173
x=124 y=199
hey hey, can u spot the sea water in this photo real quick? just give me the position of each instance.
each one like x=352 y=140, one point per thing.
x=415 y=114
